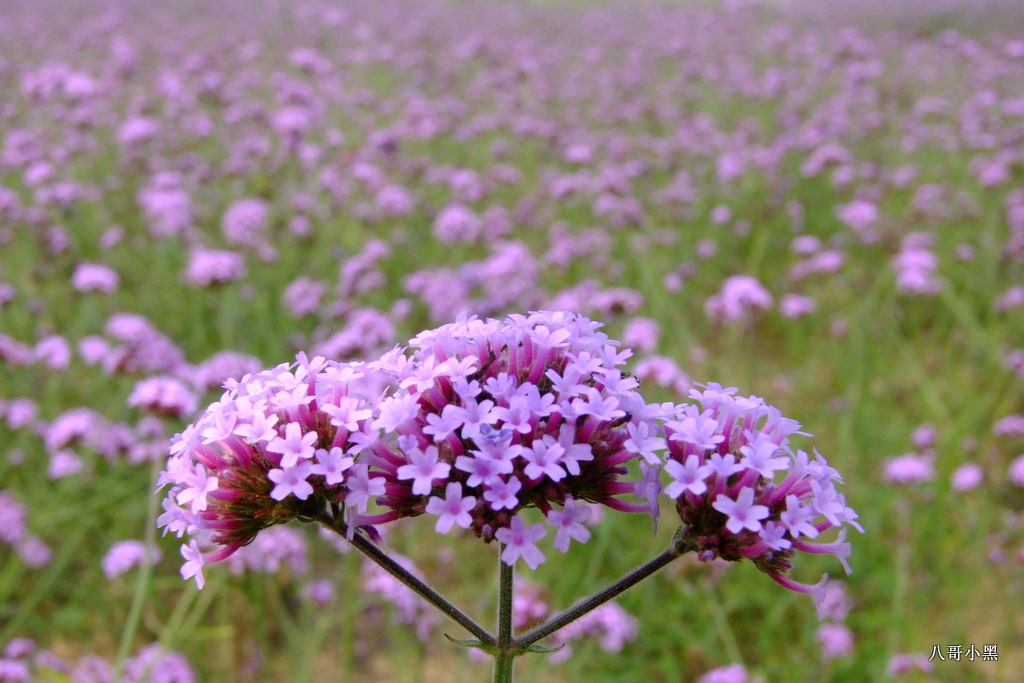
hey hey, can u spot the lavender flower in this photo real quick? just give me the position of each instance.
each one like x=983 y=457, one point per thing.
x=528 y=412
x=910 y=468
x=477 y=422
x=1015 y=473
x=208 y=267
x=456 y=223
x=861 y=215
x=166 y=206
x=741 y=296
x=905 y=663
x=734 y=673
x=796 y=306
x=742 y=493
x=222 y=366
x=915 y=265
x=836 y=640
x=220 y=469
x=319 y=592
x=835 y=604
x=125 y=555
x=164 y=396
x=93 y=277
x=13 y=519
x=245 y=221
x=967 y=477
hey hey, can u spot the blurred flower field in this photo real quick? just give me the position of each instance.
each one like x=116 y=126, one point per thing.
x=821 y=204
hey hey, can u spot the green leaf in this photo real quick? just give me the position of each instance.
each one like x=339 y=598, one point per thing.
x=543 y=649
x=471 y=642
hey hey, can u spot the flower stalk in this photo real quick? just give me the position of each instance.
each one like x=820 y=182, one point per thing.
x=407 y=579
x=610 y=592
x=506 y=651
x=476 y=423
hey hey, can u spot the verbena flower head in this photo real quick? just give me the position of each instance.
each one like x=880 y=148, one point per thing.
x=279 y=445
x=742 y=493
x=478 y=422
x=488 y=418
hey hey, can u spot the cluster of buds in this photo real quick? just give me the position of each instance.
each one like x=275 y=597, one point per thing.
x=476 y=422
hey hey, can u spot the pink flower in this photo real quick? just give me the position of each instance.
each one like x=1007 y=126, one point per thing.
x=125 y=555
x=423 y=469
x=734 y=673
x=92 y=277
x=860 y=215
x=456 y=223
x=319 y=592
x=208 y=267
x=569 y=524
x=1011 y=425
x=1015 y=474
x=520 y=541
x=163 y=395
x=245 y=221
x=794 y=306
x=302 y=296
x=910 y=468
x=836 y=640
x=740 y=297
x=908 y=663
x=291 y=481
x=742 y=512
x=454 y=509
x=641 y=334
x=687 y=477
x=331 y=465
x=294 y=446
x=502 y=494
x=502 y=455
x=193 y=563
x=967 y=477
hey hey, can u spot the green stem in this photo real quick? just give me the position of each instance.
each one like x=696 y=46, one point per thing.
x=504 y=657
x=903 y=569
x=725 y=633
x=377 y=556
x=347 y=627
x=611 y=592
x=142 y=582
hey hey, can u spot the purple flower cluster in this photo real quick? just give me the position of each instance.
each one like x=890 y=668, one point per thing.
x=743 y=493
x=277 y=443
x=14 y=532
x=479 y=421
x=835 y=637
x=496 y=417
x=916 y=467
x=22 y=662
x=741 y=296
x=402 y=162
x=125 y=555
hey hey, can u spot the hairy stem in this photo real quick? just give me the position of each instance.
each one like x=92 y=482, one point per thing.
x=610 y=592
x=504 y=657
x=381 y=559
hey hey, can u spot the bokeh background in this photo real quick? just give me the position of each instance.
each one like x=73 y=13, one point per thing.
x=819 y=203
